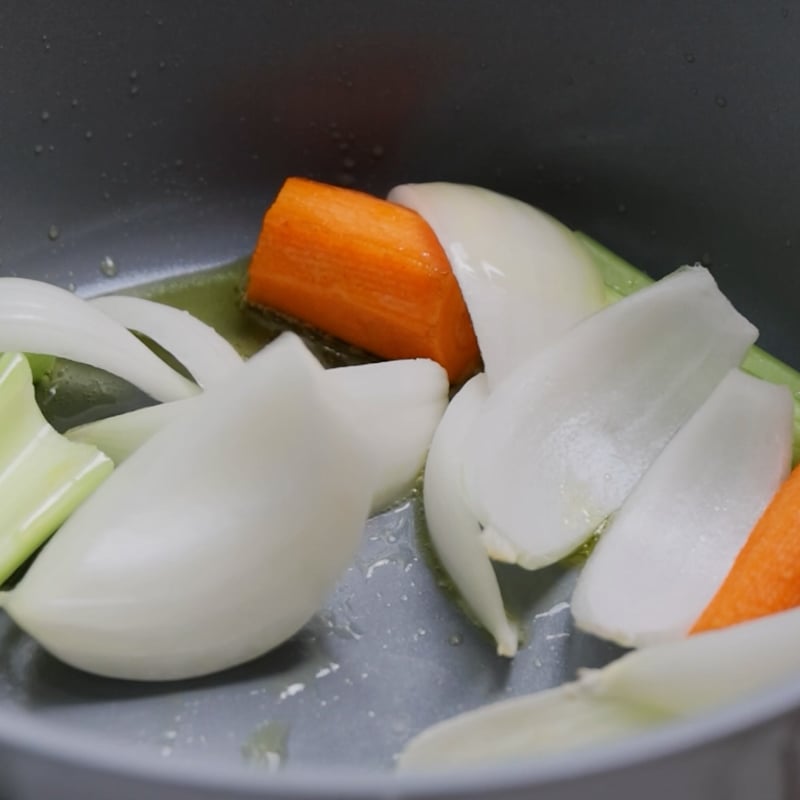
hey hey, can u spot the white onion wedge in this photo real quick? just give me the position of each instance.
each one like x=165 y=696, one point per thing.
x=566 y=718
x=217 y=540
x=206 y=355
x=668 y=549
x=708 y=669
x=524 y=276
x=636 y=692
x=563 y=440
x=38 y=317
x=395 y=406
x=454 y=531
x=121 y=435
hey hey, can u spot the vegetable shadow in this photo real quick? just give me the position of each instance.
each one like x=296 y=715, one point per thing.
x=38 y=680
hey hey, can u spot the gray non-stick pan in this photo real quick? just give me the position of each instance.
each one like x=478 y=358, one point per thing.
x=140 y=140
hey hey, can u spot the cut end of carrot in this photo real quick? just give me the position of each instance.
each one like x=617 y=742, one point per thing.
x=365 y=270
x=765 y=578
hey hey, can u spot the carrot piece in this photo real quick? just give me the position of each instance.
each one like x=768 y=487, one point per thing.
x=365 y=270
x=765 y=577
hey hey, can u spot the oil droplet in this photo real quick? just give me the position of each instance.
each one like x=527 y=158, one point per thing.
x=381 y=562
x=53 y=233
x=622 y=208
x=378 y=151
x=108 y=267
x=134 y=90
x=266 y=746
x=721 y=101
x=689 y=58
x=88 y=136
x=45 y=115
x=74 y=102
x=162 y=65
x=349 y=162
x=329 y=670
x=291 y=690
x=133 y=75
x=38 y=150
x=456 y=639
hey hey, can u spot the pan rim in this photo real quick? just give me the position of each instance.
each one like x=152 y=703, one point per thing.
x=94 y=753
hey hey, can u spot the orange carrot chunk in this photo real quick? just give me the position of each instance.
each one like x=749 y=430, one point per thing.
x=365 y=270
x=765 y=577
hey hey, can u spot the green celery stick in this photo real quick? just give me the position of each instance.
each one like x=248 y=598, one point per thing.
x=622 y=279
x=43 y=476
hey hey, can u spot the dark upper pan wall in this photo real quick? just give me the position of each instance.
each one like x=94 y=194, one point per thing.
x=157 y=132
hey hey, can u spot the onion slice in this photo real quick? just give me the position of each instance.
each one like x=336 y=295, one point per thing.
x=566 y=718
x=560 y=444
x=525 y=278
x=214 y=542
x=454 y=531
x=394 y=406
x=642 y=689
x=666 y=552
x=37 y=317
x=123 y=434
x=206 y=355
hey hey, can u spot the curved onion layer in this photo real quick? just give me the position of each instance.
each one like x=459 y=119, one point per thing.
x=454 y=531
x=394 y=406
x=560 y=444
x=636 y=692
x=206 y=355
x=666 y=552
x=214 y=542
x=524 y=276
x=123 y=434
x=37 y=317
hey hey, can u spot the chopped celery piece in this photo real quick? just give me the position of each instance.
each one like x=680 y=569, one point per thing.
x=43 y=476
x=622 y=279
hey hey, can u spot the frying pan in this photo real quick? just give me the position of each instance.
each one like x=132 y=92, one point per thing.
x=143 y=140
